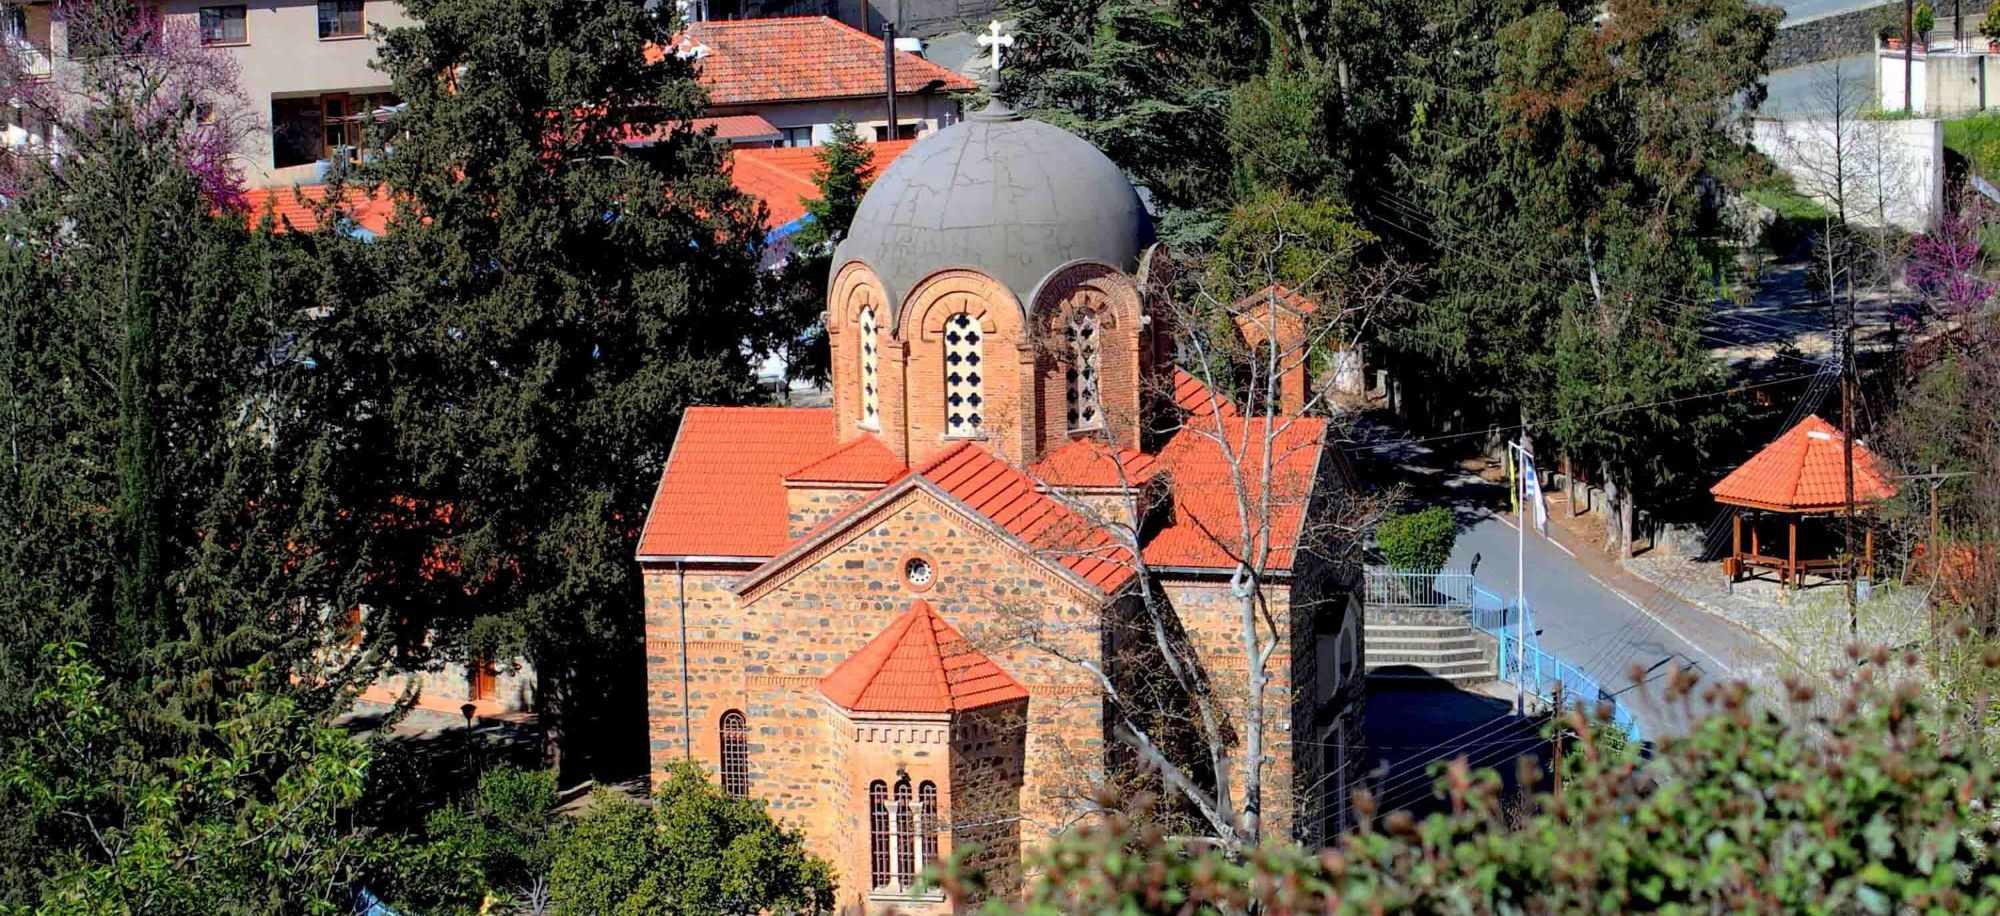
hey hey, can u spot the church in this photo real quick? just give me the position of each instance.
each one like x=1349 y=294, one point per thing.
x=896 y=619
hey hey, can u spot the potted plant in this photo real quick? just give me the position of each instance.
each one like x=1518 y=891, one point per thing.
x=1922 y=20
x=1990 y=28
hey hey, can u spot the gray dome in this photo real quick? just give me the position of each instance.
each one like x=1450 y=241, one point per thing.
x=1013 y=198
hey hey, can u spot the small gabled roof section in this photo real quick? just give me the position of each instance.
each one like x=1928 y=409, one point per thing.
x=1805 y=471
x=1091 y=463
x=1289 y=299
x=865 y=461
x=919 y=664
x=1206 y=530
x=1194 y=397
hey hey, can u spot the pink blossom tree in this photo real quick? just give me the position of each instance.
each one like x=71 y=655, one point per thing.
x=128 y=75
x=1947 y=265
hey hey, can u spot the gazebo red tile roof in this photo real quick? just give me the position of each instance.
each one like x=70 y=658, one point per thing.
x=919 y=664
x=1804 y=471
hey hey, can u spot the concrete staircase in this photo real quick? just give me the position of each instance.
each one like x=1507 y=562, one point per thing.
x=1451 y=652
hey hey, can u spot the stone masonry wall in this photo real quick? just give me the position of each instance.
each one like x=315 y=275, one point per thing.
x=1853 y=32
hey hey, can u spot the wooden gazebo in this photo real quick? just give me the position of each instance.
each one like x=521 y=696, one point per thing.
x=1801 y=475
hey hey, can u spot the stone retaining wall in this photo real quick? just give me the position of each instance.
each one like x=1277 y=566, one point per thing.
x=1844 y=34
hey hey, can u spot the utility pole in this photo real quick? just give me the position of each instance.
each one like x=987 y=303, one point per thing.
x=1909 y=46
x=889 y=72
x=1847 y=392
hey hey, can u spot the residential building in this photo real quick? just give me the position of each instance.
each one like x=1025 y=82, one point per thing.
x=801 y=74
x=303 y=70
x=883 y=617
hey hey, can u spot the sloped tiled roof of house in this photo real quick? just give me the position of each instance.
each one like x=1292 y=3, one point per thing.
x=722 y=493
x=1206 y=529
x=1286 y=297
x=991 y=487
x=919 y=664
x=1193 y=395
x=782 y=176
x=293 y=208
x=1089 y=462
x=1805 y=471
x=799 y=58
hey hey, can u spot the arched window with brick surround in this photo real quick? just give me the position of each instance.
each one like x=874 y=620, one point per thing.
x=879 y=873
x=964 y=380
x=870 y=358
x=927 y=802
x=1086 y=409
x=735 y=754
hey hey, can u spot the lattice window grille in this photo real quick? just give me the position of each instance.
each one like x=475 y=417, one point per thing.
x=964 y=387
x=871 y=398
x=880 y=866
x=1086 y=409
x=906 y=837
x=735 y=754
x=927 y=800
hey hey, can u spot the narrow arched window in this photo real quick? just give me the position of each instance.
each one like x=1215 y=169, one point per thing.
x=906 y=836
x=735 y=754
x=1086 y=410
x=927 y=802
x=871 y=399
x=878 y=834
x=964 y=385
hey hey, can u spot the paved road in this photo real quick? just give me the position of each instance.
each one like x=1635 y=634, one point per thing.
x=1589 y=612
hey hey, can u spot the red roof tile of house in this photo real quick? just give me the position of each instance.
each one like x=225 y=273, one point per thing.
x=919 y=664
x=1205 y=531
x=746 y=127
x=800 y=57
x=1091 y=463
x=723 y=491
x=864 y=461
x=997 y=490
x=1805 y=471
x=1193 y=395
x=293 y=208
x=782 y=176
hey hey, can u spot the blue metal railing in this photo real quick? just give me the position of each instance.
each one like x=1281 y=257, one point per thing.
x=1535 y=670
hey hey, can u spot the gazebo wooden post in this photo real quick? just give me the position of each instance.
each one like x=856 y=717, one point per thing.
x=1736 y=544
x=1792 y=549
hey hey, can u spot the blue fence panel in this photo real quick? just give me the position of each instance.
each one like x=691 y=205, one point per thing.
x=1538 y=673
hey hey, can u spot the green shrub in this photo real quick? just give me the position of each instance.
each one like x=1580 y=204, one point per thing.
x=1418 y=541
x=1843 y=804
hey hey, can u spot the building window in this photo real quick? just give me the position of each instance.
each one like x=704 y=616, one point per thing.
x=223 y=25
x=905 y=130
x=870 y=397
x=1085 y=357
x=927 y=800
x=964 y=404
x=878 y=835
x=735 y=754
x=340 y=18
x=906 y=836
x=796 y=136
x=918 y=572
x=14 y=23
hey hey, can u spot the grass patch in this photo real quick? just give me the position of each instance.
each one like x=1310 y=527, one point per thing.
x=1977 y=138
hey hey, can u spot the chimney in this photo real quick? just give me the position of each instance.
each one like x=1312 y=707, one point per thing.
x=889 y=72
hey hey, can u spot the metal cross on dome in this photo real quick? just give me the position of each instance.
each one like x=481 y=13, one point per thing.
x=994 y=40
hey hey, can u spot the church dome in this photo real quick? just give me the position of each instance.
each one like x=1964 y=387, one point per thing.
x=1013 y=198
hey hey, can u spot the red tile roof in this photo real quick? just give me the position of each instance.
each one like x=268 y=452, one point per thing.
x=800 y=57
x=782 y=176
x=919 y=664
x=292 y=208
x=727 y=127
x=1805 y=471
x=1090 y=463
x=995 y=489
x=723 y=491
x=1192 y=395
x=1287 y=297
x=864 y=461
x=1205 y=530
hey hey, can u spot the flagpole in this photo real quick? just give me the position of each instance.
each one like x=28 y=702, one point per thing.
x=1521 y=586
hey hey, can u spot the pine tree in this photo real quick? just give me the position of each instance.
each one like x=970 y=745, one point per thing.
x=552 y=301
x=846 y=169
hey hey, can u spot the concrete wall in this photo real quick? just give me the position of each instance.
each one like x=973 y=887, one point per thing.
x=1886 y=171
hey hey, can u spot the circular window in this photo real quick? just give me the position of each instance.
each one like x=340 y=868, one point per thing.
x=918 y=571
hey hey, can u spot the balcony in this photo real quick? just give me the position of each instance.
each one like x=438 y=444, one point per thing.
x=33 y=60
